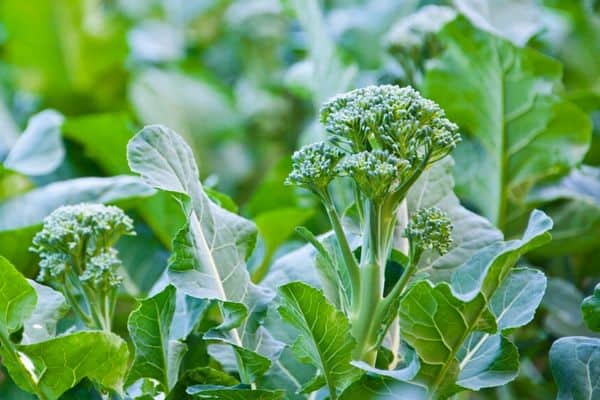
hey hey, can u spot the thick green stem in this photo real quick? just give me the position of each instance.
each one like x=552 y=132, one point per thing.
x=370 y=297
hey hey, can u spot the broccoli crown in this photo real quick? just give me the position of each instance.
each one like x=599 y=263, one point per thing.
x=375 y=172
x=430 y=228
x=80 y=237
x=388 y=117
x=314 y=165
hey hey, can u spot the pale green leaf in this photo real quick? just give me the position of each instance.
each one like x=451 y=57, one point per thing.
x=50 y=308
x=487 y=361
x=573 y=203
x=516 y=299
x=39 y=150
x=575 y=365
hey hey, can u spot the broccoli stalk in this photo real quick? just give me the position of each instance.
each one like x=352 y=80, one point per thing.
x=381 y=139
x=77 y=257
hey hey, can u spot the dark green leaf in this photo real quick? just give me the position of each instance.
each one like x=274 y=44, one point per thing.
x=575 y=365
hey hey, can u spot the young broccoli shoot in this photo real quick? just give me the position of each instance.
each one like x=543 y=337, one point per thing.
x=429 y=229
x=381 y=139
x=76 y=253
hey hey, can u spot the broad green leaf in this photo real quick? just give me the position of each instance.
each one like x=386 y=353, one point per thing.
x=39 y=150
x=516 y=299
x=521 y=131
x=487 y=361
x=575 y=365
x=194 y=107
x=209 y=392
x=440 y=322
x=383 y=388
x=436 y=324
x=31 y=208
x=199 y=376
x=209 y=253
x=470 y=232
x=562 y=304
x=324 y=340
x=407 y=371
x=156 y=355
x=590 y=309
x=51 y=367
x=515 y=20
x=573 y=203
x=487 y=269
x=50 y=308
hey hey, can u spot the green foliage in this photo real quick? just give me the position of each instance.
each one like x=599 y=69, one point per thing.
x=49 y=367
x=394 y=288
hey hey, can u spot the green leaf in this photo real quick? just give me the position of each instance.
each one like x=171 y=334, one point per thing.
x=575 y=365
x=521 y=131
x=324 y=340
x=573 y=203
x=209 y=253
x=156 y=355
x=590 y=309
x=445 y=324
x=487 y=361
x=562 y=304
x=51 y=367
x=50 y=308
x=486 y=270
x=470 y=232
x=226 y=393
x=383 y=388
x=39 y=150
x=31 y=208
x=17 y=297
x=516 y=299
x=197 y=376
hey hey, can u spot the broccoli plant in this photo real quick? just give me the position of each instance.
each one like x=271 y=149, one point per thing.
x=382 y=139
x=77 y=257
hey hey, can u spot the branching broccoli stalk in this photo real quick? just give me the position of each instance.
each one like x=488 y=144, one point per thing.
x=76 y=253
x=382 y=138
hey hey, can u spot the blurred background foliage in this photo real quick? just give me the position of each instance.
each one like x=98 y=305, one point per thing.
x=243 y=81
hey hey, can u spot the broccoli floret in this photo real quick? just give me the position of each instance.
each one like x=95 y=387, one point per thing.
x=429 y=228
x=388 y=117
x=375 y=172
x=314 y=166
x=80 y=238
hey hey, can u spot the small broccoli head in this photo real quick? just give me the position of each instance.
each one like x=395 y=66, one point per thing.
x=388 y=117
x=314 y=166
x=80 y=238
x=376 y=173
x=430 y=228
